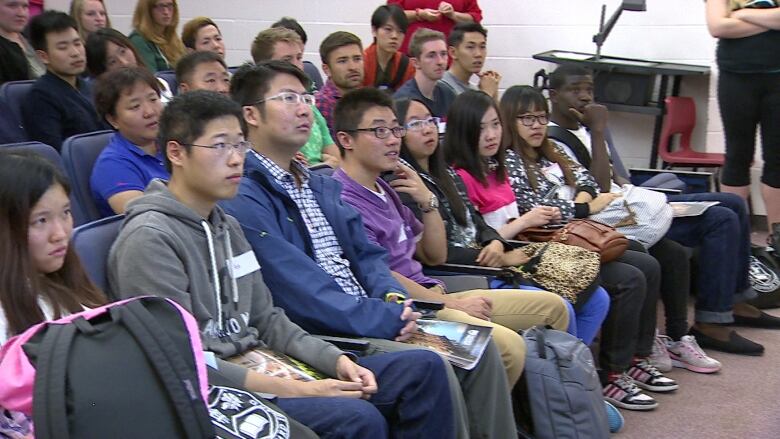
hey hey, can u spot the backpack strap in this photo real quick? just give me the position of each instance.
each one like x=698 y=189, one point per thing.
x=403 y=64
x=170 y=366
x=49 y=409
x=566 y=137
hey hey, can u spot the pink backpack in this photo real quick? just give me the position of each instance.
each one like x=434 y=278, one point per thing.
x=132 y=368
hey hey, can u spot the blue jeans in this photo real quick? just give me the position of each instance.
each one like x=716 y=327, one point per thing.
x=413 y=401
x=722 y=235
x=583 y=324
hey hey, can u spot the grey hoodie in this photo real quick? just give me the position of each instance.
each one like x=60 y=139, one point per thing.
x=166 y=249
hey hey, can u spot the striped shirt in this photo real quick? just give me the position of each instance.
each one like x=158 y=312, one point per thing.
x=327 y=251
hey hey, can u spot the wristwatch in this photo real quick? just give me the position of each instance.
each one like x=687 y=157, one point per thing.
x=433 y=204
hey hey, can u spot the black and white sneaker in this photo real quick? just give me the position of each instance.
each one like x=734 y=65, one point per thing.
x=648 y=377
x=622 y=392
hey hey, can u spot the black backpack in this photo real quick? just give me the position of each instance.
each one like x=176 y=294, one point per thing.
x=126 y=372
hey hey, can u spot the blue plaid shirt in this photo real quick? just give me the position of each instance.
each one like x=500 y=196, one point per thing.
x=327 y=250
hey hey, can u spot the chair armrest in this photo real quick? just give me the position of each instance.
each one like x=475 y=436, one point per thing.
x=664 y=190
x=475 y=270
x=672 y=171
x=355 y=345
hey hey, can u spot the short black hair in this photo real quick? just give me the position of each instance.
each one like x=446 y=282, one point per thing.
x=559 y=76
x=96 y=47
x=187 y=65
x=351 y=108
x=252 y=81
x=293 y=25
x=186 y=116
x=46 y=22
x=461 y=29
x=385 y=13
x=110 y=87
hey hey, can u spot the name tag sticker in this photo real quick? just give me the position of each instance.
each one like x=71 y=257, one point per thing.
x=240 y=266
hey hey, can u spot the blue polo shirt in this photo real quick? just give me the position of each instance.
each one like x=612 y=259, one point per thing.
x=123 y=166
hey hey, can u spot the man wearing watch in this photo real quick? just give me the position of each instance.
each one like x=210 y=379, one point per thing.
x=369 y=136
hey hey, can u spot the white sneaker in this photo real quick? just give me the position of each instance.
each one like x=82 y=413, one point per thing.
x=660 y=356
x=687 y=354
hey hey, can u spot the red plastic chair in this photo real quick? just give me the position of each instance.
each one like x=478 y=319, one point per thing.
x=680 y=119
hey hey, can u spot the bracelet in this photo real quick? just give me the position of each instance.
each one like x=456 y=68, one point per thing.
x=417 y=14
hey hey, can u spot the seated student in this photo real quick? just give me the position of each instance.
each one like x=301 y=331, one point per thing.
x=387 y=68
x=535 y=166
x=19 y=58
x=467 y=46
x=42 y=278
x=470 y=240
x=285 y=45
x=473 y=148
x=308 y=67
x=109 y=50
x=129 y=100
x=342 y=61
x=202 y=34
x=316 y=258
x=154 y=33
x=369 y=137
x=723 y=283
x=203 y=71
x=90 y=15
x=429 y=57
x=177 y=243
x=59 y=104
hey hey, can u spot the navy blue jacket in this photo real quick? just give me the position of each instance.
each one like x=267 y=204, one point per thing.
x=54 y=111
x=274 y=227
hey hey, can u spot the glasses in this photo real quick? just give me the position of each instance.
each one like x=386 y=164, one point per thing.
x=529 y=119
x=420 y=124
x=382 y=132
x=222 y=148
x=161 y=6
x=289 y=98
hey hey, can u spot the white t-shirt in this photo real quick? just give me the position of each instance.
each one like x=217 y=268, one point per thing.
x=584 y=136
x=48 y=314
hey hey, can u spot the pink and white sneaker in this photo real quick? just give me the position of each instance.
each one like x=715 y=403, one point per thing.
x=687 y=354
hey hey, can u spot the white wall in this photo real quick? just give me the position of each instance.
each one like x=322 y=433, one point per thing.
x=670 y=30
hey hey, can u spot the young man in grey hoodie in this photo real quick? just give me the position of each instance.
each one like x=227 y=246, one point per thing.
x=177 y=243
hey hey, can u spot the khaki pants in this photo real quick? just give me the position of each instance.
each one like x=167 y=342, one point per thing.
x=513 y=310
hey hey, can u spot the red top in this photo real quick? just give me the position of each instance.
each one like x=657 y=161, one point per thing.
x=370 y=67
x=444 y=24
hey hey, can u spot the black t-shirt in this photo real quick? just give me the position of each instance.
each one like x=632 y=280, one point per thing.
x=755 y=54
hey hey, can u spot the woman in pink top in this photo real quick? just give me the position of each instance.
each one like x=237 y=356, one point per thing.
x=472 y=146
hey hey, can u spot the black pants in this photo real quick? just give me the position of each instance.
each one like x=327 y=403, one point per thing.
x=632 y=282
x=675 y=285
x=747 y=100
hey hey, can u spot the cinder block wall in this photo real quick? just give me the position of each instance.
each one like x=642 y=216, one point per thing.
x=670 y=30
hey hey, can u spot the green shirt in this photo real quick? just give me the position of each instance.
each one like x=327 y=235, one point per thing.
x=318 y=139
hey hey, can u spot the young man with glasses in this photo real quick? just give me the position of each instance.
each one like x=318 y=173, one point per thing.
x=316 y=258
x=177 y=243
x=428 y=51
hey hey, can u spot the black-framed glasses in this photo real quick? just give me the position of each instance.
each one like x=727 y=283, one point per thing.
x=222 y=148
x=420 y=124
x=529 y=119
x=289 y=98
x=382 y=132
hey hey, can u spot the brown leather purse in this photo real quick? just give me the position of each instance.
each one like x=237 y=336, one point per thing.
x=588 y=234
